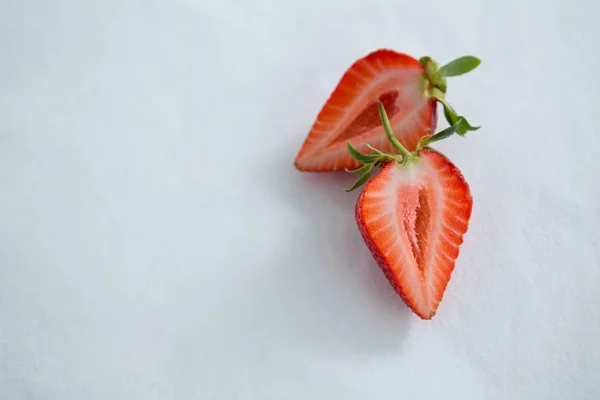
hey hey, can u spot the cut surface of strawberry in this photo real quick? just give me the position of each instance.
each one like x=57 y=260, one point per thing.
x=413 y=218
x=350 y=113
x=413 y=215
x=407 y=87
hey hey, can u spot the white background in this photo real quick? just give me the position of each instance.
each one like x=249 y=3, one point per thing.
x=157 y=243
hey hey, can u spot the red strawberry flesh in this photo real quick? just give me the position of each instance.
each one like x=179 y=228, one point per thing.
x=350 y=114
x=413 y=218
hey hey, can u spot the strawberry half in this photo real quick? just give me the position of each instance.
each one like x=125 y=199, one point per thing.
x=412 y=215
x=408 y=88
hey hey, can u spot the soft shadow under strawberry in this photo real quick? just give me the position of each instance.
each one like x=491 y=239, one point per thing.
x=332 y=295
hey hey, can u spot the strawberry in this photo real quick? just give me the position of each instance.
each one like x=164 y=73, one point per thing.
x=408 y=88
x=412 y=215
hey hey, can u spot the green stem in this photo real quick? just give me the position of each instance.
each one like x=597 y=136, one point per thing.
x=390 y=134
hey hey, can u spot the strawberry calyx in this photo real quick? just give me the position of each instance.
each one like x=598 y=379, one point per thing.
x=435 y=85
x=379 y=158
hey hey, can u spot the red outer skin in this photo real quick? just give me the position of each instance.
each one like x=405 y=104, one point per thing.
x=373 y=248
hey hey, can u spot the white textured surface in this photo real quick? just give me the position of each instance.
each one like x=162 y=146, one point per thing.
x=156 y=242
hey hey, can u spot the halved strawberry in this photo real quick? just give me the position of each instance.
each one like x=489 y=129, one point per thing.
x=413 y=219
x=408 y=88
x=413 y=215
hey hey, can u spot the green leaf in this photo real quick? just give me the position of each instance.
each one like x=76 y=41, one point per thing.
x=452 y=117
x=451 y=130
x=362 y=170
x=358 y=156
x=465 y=127
x=359 y=182
x=450 y=114
x=460 y=66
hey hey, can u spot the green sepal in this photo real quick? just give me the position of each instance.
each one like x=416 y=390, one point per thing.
x=435 y=85
x=452 y=117
x=358 y=156
x=465 y=127
x=376 y=151
x=360 y=181
x=460 y=66
x=370 y=161
x=432 y=73
x=361 y=170
x=451 y=130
